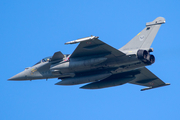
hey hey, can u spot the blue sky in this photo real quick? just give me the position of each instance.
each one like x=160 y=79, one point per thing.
x=32 y=30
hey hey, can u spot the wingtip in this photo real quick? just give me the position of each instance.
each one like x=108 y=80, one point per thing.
x=168 y=83
x=154 y=87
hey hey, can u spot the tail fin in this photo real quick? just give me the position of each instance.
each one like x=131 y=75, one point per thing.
x=144 y=39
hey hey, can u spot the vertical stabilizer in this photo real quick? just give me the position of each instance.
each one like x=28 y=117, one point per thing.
x=144 y=39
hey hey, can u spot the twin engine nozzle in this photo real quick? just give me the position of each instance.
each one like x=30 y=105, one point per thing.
x=146 y=57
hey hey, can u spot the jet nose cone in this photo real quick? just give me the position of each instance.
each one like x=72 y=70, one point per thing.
x=19 y=76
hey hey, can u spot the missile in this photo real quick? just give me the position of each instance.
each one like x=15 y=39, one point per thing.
x=81 y=40
x=107 y=83
x=83 y=79
x=77 y=64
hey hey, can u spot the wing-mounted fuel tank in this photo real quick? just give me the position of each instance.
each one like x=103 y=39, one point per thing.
x=113 y=80
x=145 y=56
x=107 y=83
x=83 y=79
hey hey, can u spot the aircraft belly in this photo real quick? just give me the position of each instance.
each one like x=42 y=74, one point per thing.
x=113 y=66
x=78 y=64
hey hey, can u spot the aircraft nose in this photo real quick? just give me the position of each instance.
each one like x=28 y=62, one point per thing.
x=19 y=76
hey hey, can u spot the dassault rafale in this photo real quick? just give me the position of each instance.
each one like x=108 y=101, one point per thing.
x=100 y=65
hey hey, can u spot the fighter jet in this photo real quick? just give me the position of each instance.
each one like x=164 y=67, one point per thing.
x=100 y=65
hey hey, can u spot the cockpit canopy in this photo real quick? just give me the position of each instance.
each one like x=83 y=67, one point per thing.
x=46 y=59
